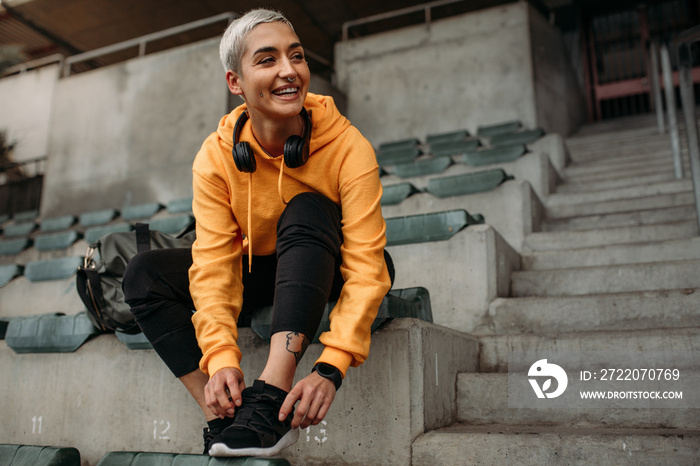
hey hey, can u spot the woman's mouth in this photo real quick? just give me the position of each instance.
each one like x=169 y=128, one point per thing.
x=286 y=92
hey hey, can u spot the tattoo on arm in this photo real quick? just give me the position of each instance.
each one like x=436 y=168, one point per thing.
x=297 y=344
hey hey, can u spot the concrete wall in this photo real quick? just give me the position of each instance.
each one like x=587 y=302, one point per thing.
x=460 y=72
x=25 y=110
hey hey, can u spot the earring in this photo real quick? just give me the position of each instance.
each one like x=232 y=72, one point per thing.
x=261 y=94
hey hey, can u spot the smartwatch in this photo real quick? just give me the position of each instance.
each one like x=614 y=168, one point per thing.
x=329 y=372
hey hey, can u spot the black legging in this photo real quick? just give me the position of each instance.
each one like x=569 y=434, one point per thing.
x=298 y=282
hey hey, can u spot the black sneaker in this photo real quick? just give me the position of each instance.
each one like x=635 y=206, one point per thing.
x=210 y=433
x=256 y=428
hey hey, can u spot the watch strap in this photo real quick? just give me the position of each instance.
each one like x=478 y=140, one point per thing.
x=329 y=372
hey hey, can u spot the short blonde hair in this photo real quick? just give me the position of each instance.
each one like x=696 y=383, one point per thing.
x=232 y=45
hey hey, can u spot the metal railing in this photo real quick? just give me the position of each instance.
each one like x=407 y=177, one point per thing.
x=684 y=43
x=33 y=64
x=425 y=7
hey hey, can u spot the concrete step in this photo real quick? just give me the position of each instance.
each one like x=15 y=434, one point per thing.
x=614 y=205
x=557 y=240
x=624 y=158
x=641 y=310
x=406 y=387
x=629 y=192
x=495 y=445
x=483 y=399
x=612 y=175
x=622 y=219
x=495 y=349
x=658 y=251
x=667 y=275
x=582 y=186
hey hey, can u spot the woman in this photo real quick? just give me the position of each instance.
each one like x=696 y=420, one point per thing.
x=287 y=203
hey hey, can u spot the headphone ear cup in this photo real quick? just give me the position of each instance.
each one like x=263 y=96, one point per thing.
x=244 y=158
x=295 y=152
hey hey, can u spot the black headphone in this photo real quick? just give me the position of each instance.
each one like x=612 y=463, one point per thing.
x=296 y=148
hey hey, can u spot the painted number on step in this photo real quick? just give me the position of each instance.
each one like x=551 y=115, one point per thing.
x=160 y=430
x=321 y=436
x=36 y=424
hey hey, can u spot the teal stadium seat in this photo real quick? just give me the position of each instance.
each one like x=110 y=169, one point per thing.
x=449 y=136
x=404 y=151
x=49 y=333
x=420 y=228
x=422 y=167
x=488 y=131
x=519 y=137
x=19 y=229
x=141 y=211
x=52 y=269
x=56 y=241
x=136 y=342
x=171 y=225
x=179 y=206
x=396 y=193
x=494 y=155
x=97 y=217
x=12 y=247
x=54 y=224
x=34 y=455
x=92 y=234
x=124 y=458
x=25 y=216
x=406 y=303
x=9 y=272
x=468 y=183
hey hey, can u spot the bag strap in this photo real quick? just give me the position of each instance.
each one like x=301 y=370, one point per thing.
x=143 y=237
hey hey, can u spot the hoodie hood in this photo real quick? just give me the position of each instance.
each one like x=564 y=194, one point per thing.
x=327 y=121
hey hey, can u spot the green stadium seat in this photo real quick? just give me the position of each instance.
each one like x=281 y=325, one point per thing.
x=436 y=226
x=25 y=216
x=125 y=458
x=179 y=206
x=467 y=183
x=92 y=234
x=141 y=211
x=171 y=225
x=52 y=269
x=450 y=136
x=34 y=455
x=409 y=302
x=4 y=218
x=51 y=225
x=19 y=229
x=494 y=155
x=8 y=272
x=56 y=241
x=421 y=167
x=49 y=333
x=398 y=152
x=454 y=147
x=135 y=342
x=520 y=137
x=97 y=217
x=395 y=194
x=11 y=247
x=488 y=131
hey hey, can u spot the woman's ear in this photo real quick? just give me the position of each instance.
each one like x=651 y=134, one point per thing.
x=232 y=79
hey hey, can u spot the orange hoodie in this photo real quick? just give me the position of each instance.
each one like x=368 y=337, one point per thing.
x=342 y=166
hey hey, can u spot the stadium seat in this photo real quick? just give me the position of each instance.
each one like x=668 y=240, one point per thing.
x=51 y=225
x=488 y=131
x=467 y=183
x=52 y=269
x=11 y=247
x=49 y=333
x=520 y=137
x=34 y=455
x=421 y=167
x=409 y=302
x=19 y=229
x=494 y=155
x=171 y=225
x=92 y=234
x=179 y=206
x=56 y=241
x=25 y=216
x=8 y=272
x=141 y=211
x=97 y=217
x=403 y=151
x=395 y=194
x=135 y=342
x=450 y=136
x=454 y=147
x=125 y=458
x=434 y=226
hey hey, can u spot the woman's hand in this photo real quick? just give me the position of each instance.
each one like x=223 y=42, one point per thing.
x=315 y=395
x=223 y=392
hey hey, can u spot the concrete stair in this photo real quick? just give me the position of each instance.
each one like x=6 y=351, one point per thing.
x=613 y=268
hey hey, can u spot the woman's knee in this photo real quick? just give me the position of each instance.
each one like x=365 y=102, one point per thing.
x=310 y=217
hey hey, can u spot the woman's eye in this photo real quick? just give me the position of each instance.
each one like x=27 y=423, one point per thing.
x=298 y=57
x=266 y=60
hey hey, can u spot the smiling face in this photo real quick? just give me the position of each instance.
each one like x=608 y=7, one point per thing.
x=272 y=57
